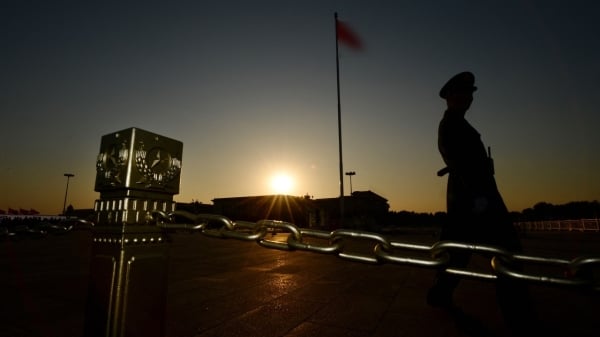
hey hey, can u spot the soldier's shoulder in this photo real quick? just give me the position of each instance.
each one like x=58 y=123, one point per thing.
x=451 y=122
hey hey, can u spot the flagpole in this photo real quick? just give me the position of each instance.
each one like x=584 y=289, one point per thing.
x=339 y=113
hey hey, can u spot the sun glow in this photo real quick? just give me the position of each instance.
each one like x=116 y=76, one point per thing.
x=282 y=183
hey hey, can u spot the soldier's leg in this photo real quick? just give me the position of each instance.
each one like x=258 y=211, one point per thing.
x=516 y=306
x=440 y=294
x=457 y=227
x=513 y=295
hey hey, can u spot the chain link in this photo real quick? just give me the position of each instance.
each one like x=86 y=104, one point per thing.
x=578 y=272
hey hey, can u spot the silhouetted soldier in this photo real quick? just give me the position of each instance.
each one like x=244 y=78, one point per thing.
x=476 y=212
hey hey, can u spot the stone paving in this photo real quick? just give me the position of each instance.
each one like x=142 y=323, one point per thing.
x=232 y=288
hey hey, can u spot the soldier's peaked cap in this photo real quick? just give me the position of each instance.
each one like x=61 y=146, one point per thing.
x=463 y=81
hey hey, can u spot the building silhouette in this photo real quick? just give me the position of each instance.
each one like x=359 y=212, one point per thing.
x=362 y=210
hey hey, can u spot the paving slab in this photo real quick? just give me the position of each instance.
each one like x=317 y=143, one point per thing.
x=232 y=288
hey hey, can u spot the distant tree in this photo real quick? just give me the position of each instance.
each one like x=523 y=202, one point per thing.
x=569 y=211
x=544 y=211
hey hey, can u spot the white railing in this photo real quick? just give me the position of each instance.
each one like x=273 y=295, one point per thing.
x=582 y=225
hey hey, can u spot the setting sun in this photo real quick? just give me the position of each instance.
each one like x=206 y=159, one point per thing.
x=282 y=183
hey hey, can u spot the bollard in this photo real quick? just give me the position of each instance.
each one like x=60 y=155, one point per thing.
x=136 y=172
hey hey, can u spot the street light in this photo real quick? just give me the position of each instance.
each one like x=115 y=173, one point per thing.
x=350 y=174
x=68 y=175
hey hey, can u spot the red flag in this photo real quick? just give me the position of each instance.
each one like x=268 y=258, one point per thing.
x=12 y=211
x=347 y=36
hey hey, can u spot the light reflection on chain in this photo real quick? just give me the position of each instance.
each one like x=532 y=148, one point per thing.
x=578 y=272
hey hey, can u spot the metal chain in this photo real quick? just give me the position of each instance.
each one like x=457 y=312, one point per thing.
x=577 y=272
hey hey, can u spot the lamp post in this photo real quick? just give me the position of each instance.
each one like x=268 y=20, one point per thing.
x=350 y=174
x=68 y=175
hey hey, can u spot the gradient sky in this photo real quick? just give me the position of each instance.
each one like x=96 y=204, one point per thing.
x=249 y=87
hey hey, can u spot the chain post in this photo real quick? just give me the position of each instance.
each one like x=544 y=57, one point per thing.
x=137 y=174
